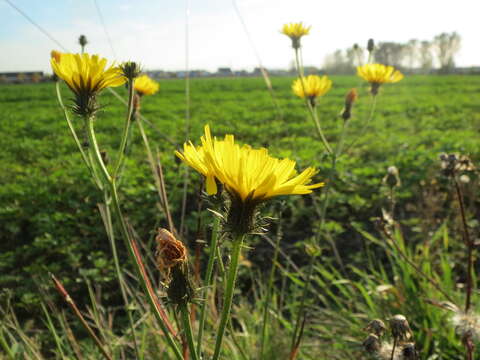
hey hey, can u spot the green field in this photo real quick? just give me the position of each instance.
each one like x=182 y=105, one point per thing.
x=50 y=222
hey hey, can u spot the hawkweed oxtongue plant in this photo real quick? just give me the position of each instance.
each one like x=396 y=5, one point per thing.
x=86 y=76
x=250 y=177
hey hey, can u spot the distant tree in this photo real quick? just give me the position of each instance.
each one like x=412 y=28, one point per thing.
x=3 y=79
x=426 y=56
x=412 y=52
x=446 y=47
x=389 y=53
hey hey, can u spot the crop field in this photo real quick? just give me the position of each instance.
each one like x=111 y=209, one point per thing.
x=50 y=220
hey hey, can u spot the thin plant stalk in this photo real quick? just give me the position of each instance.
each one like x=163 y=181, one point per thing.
x=107 y=219
x=5 y=346
x=208 y=280
x=126 y=237
x=229 y=290
x=79 y=315
x=373 y=105
x=470 y=246
x=187 y=326
x=268 y=297
x=126 y=127
x=157 y=177
x=311 y=108
x=393 y=348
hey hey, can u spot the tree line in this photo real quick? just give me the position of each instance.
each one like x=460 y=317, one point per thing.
x=419 y=56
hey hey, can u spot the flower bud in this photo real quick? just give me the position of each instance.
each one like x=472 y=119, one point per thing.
x=350 y=98
x=370 y=45
x=82 y=40
x=180 y=290
x=130 y=70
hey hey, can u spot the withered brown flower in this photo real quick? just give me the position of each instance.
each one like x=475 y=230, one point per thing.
x=170 y=251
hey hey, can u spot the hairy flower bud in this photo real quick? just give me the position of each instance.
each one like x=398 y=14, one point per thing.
x=370 y=45
x=350 y=99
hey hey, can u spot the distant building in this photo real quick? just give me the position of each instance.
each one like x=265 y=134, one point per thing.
x=224 y=71
x=21 y=77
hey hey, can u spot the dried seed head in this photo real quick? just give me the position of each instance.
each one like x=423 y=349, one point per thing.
x=453 y=163
x=376 y=326
x=170 y=251
x=400 y=328
x=372 y=344
x=409 y=352
x=392 y=179
x=467 y=325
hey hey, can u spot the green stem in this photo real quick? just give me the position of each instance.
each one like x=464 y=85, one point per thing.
x=311 y=108
x=121 y=280
x=208 y=281
x=373 y=105
x=470 y=246
x=229 y=290
x=5 y=346
x=75 y=137
x=126 y=237
x=158 y=180
x=188 y=330
x=268 y=297
x=123 y=144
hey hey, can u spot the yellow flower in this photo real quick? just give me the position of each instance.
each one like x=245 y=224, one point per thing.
x=250 y=175
x=144 y=85
x=378 y=74
x=86 y=74
x=295 y=31
x=311 y=86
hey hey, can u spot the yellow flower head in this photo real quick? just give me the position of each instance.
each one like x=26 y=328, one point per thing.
x=295 y=31
x=144 y=85
x=247 y=173
x=311 y=86
x=377 y=74
x=86 y=74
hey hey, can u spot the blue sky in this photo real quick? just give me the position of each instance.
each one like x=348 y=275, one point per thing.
x=153 y=32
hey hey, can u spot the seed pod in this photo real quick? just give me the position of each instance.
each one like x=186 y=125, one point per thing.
x=371 y=344
x=400 y=328
x=376 y=326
